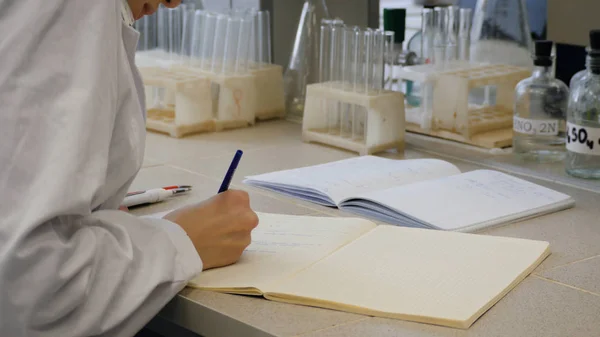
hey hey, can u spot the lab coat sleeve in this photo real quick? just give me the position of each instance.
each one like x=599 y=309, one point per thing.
x=69 y=266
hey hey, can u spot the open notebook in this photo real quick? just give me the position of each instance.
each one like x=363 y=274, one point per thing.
x=427 y=193
x=352 y=265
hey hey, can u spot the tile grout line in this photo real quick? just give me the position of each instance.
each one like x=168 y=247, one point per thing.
x=334 y=326
x=566 y=264
x=565 y=285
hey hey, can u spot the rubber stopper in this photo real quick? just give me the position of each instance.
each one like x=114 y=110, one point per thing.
x=542 y=53
x=595 y=39
x=543 y=48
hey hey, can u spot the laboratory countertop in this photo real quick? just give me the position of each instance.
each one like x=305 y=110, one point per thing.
x=560 y=298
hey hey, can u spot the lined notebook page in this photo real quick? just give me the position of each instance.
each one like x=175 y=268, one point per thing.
x=468 y=199
x=350 y=177
x=431 y=276
x=282 y=245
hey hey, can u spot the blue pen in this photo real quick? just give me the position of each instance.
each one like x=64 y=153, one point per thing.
x=229 y=175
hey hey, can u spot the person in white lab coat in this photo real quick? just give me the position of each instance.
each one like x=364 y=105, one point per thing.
x=72 y=135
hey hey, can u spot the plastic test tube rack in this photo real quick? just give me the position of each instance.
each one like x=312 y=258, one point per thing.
x=384 y=129
x=230 y=52
x=189 y=108
x=349 y=108
x=451 y=115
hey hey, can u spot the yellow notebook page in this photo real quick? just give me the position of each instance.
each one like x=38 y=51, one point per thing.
x=429 y=276
x=281 y=246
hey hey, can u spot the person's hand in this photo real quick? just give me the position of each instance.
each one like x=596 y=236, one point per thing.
x=220 y=227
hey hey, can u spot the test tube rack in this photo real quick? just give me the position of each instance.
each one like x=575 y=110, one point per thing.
x=445 y=110
x=227 y=55
x=187 y=106
x=349 y=108
x=384 y=124
x=197 y=101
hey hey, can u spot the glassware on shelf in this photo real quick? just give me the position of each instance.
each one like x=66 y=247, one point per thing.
x=583 y=118
x=500 y=33
x=304 y=60
x=540 y=111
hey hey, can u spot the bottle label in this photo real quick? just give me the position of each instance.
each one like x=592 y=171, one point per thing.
x=542 y=127
x=583 y=139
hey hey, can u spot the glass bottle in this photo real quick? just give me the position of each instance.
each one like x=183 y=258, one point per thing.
x=500 y=33
x=583 y=118
x=303 y=67
x=540 y=111
x=580 y=75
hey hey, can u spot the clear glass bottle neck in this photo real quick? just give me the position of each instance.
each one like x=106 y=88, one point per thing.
x=592 y=65
x=542 y=72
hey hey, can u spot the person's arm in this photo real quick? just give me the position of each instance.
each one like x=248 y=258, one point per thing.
x=69 y=267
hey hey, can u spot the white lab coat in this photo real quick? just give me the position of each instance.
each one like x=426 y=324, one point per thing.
x=71 y=141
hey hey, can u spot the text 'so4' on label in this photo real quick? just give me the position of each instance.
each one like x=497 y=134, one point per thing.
x=583 y=139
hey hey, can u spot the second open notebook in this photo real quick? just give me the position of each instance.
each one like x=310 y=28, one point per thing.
x=353 y=265
x=428 y=193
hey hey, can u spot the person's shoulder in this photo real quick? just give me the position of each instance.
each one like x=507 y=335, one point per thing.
x=53 y=12
x=54 y=36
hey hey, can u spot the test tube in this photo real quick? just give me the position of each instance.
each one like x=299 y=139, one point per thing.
x=378 y=53
x=189 y=17
x=359 y=79
x=441 y=35
x=243 y=48
x=348 y=58
x=337 y=48
x=367 y=64
x=364 y=85
x=389 y=56
x=163 y=29
x=147 y=28
x=324 y=50
x=208 y=40
x=232 y=40
x=336 y=73
x=427 y=36
x=452 y=33
x=174 y=16
x=464 y=34
x=187 y=6
x=263 y=35
x=254 y=44
x=359 y=60
x=324 y=63
x=348 y=75
x=197 y=43
x=219 y=43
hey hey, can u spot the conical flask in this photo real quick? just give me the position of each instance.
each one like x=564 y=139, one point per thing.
x=500 y=33
x=303 y=67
